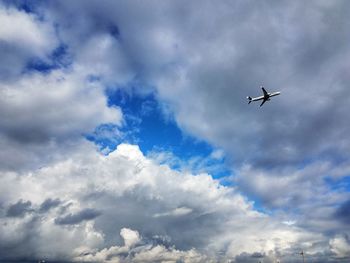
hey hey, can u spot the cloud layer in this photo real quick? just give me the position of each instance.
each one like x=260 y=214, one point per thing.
x=82 y=202
x=60 y=199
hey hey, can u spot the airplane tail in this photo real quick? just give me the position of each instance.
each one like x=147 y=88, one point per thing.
x=249 y=99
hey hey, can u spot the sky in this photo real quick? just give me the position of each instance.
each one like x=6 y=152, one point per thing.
x=126 y=136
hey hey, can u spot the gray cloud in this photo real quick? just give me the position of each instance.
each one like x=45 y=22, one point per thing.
x=49 y=204
x=71 y=219
x=23 y=37
x=343 y=212
x=19 y=209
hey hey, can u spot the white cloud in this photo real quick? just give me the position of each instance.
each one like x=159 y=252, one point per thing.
x=213 y=163
x=124 y=198
x=94 y=58
x=217 y=154
x=291 y=188
x=130 y=237
x=45 y=114
x=27 y=31
x=161 y=254
x=289 y=222
x=73 y=103
x=340 y=246
x=141 y=253
x=176 y=212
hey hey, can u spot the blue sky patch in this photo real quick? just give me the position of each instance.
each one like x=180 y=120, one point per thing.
x=57 y=59
x=27 y=6
x=157 y=134
x=338 y=184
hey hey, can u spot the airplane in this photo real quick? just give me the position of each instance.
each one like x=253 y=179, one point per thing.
x=264 y=98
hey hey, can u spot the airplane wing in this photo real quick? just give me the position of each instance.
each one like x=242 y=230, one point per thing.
x=265 y=92
x=262 y=103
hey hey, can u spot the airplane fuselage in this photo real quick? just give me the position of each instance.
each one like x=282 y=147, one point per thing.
x=265 y=97
x=268 y=96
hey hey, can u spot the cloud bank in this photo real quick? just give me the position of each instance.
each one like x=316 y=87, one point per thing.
x=79 y=205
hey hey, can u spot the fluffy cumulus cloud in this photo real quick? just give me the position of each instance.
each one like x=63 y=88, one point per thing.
x=340 y=245
x=217 y=54
x=60 y=199
x=74 y=209
x=48 y=112
x=42 y=111
x=136 y=251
